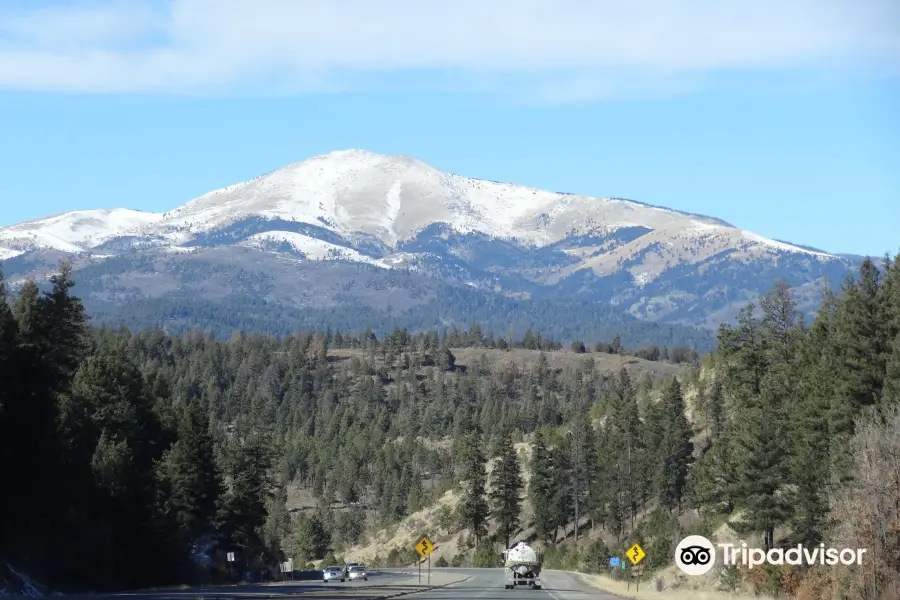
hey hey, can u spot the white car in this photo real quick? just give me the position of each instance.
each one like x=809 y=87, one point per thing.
x=358 y=572
x=332 y=573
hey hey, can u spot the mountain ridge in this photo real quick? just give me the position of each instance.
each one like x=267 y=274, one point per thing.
x=144 y=219
x=398 y=212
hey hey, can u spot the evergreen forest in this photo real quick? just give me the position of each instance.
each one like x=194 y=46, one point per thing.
x=139 y=458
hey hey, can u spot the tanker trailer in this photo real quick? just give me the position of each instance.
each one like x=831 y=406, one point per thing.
x=522 y=566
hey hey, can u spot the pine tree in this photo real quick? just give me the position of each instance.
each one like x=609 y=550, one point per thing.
x=190 y=477
x=655 y=429
x=9 y=394
x=540 y=489
x=761 y=374
x=625 y=442
x=311 y=539
x=415 y=498
x=891 y=392
x=563 y=488
x=8 y=342
x=861 y=337
x=48 y=330
x=277 y=526
x=713 y=482
x=715 y=406
x=890 y=300
x=242 y=509
x=474 y=510
x=64 y=320
x=506 y=492
x=762 y=470
x=109 y=432
x=813 y=426
x=609 y=504
x=586 y=461
x=675 y=452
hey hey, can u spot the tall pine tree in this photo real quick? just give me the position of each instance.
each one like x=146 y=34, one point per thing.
x=473 y=509
x=760 y=372
x=675 y=452
x=250 y=481
x=191 y=483
x=506 y=492
x=540 y=489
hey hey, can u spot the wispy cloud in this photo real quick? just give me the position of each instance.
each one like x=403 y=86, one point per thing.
x=556 y=48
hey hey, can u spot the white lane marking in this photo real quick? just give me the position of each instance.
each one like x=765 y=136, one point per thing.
x=546 y=590
x=481 y=595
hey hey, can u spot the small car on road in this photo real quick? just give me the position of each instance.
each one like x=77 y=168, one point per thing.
x=334 y=572
x=358 y=572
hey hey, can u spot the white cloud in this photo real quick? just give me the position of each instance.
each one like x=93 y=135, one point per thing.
x=559 y=48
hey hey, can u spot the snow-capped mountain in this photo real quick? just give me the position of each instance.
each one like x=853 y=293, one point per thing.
x=76 y=231
x=396 y=211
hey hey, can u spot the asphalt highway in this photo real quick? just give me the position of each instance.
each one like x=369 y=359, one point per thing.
x=446 y=584
x=487 y=584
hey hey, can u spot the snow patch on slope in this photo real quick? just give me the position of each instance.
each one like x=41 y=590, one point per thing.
x=314 y=249
x=179 y=249
x=781 y=245
x=76 y=231
x=7 y=253
x=660 y=249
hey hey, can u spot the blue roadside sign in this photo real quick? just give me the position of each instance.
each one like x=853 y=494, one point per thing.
x=614 y=561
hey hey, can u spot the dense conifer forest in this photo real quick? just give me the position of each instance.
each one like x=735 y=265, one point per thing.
x=139 y=458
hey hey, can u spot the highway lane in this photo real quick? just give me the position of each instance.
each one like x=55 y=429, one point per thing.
x=381 y=584
x=461 y=584
x=487 y=584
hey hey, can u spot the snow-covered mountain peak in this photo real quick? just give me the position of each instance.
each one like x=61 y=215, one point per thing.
x=392 y=198
x=348 y=190
x=400 y=215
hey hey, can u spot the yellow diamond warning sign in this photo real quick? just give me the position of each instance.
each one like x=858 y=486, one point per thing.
x=424 y=547
x=635 y=554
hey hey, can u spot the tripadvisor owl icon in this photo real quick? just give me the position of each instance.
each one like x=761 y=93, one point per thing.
x=695 y=555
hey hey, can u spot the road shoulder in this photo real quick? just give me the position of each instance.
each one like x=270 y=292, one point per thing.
x=647 y=589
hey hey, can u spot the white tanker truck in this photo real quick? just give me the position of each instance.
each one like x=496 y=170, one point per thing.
x=522 y=566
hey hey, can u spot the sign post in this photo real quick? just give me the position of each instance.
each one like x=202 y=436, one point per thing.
x=424 y=547
x=636 y=554
x=230 y=557
x=287 y=567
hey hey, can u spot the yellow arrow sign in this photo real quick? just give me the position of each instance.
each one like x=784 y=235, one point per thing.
x=635 y=554
x=424 y=547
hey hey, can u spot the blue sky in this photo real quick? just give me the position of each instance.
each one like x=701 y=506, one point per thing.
x=780 y=117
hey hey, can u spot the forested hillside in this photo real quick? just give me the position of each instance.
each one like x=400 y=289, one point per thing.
x=791 y=435
x=221 y=290
x=120 y=446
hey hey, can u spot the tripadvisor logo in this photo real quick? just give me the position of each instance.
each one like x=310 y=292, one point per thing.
x=696 y=555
